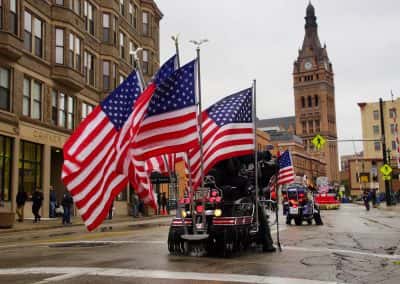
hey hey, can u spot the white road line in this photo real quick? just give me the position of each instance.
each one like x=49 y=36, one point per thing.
x=156 y=274
x=307 y=249
x=61 y=277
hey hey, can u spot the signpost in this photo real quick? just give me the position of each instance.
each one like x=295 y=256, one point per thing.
x=318 y=141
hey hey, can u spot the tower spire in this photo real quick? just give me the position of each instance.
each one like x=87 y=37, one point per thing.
x=311 y=19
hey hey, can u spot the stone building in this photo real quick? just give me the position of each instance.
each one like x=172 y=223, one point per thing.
x=58 y=59
x=314 y=94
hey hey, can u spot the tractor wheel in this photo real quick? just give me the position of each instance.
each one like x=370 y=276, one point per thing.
x=318 y=220
x=298 y=221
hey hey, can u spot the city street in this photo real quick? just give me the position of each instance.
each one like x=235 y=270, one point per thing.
x=353 y=246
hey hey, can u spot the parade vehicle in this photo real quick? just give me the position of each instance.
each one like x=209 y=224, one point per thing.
x=299 y=205
x=220 y=218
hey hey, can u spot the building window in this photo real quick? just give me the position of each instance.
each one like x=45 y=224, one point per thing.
x=114 y=24
x=60 y=2
x=311 y=126
x=5 y=167
x=59 y=46
x=132 y=47
x=106 y=27
x=30 y=167
x=74 y=52
x=376 y=114
x=392 y=128
x=303 y=102
x=394 y=146
x=106 y=75
x=121 y=45
x=89 y=67
x=375 y=129
x=33 y=26
x=114 y=74
x=75 y=5
x=122 y=7
x=1 y=14
x=317 y=126
x=145 y=28
x=63 y=110
x=32 y=99
x=392 y=113
x=145 y=66
x=304 y=126
x=86 y=110
x=377 y=146
x=309 y=99
x=13 y=17
x=132 y=14
x=316 y=100
x=5 y=89
x=88 y=12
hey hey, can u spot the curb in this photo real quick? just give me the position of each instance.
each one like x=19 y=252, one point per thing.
x=131 y=221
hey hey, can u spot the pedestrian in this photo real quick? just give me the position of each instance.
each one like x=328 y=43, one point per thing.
x=21 y=199
x=135 y=205
x=164 y=204
x=111 y=211
x=66 y=203
x=37 y=200
x=373 y=198
x=53 y=202
x=365 y=198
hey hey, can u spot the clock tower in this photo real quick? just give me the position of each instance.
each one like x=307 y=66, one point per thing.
x=314 y=95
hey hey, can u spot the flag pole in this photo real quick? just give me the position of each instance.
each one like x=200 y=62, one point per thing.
x=178 y=211
x=138 y=65
x=255 y=150
x=200 y=120
x=277 y=203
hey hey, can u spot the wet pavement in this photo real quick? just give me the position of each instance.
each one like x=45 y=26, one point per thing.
x=353 y=246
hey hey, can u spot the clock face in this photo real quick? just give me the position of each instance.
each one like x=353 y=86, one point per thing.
x=308 y=65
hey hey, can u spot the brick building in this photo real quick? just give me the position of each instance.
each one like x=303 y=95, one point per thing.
x=314 y=94
x=58 y=59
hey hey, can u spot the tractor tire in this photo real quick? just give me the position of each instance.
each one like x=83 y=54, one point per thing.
x=298 y=221
x=318 y=220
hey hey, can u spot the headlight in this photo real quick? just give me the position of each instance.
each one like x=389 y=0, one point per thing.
x=183 y=214
x=218 y=212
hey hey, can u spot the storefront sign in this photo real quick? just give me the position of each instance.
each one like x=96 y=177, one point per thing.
x=42 y=137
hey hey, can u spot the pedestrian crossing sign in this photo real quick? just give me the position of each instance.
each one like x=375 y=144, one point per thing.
x=386 y=170
x=318 y=141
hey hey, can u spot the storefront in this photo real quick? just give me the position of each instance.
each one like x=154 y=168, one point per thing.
x=5 y=168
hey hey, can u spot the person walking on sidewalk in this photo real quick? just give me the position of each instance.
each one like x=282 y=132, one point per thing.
x=53 y=202
x=37 y=200
x=365 y=198
x=21 y=199
x=163 y=204
x=66 y=204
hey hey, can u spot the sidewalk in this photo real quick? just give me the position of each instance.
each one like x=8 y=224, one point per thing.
x=54 y=223
x=382 y=206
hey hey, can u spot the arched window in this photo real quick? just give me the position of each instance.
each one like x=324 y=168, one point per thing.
x=309 y=101
x=316 y=100
x=303 y=102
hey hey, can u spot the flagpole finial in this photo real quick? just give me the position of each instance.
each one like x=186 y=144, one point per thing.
x=135 y=52
x=198 y=43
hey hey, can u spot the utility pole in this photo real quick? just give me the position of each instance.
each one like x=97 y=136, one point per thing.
x=385 y=161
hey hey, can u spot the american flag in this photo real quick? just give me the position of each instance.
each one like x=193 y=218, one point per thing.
x=286 y=171
x=170 y=125
x=227 y=128
x=163 y=164
x=91 y=154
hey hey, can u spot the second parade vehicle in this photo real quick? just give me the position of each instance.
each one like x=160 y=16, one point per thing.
x=299 y=205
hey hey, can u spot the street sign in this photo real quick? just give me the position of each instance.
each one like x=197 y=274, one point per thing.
x=386 y=170
x=318 y=141
x=387 y=177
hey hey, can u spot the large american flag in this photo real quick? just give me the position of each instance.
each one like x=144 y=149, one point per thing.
x=169 y=127
x=94 y=150
x=286 y=172
x=227 y=128
x=164 y=164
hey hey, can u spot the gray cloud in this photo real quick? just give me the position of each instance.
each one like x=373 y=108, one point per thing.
x=259 y=39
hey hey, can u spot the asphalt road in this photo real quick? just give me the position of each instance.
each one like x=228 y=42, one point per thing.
x=354 y=246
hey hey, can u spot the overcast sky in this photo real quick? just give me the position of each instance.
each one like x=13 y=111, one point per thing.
x=259 y=39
